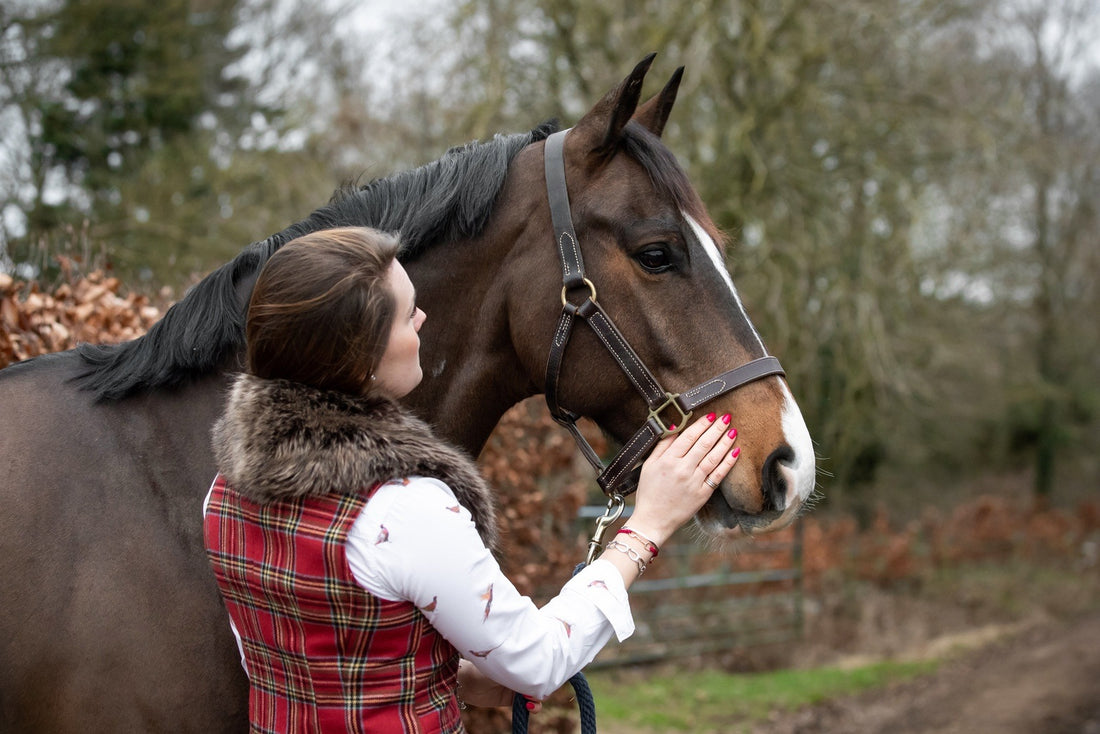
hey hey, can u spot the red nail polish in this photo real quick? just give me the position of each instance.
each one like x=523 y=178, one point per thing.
x=726 y=419
x=672 y=426
x=711 y=417
x=530 y=706
x=732 y=434
x=736 y=452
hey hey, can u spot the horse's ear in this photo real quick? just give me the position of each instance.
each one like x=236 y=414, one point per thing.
x=599 y=130
x=654 y=114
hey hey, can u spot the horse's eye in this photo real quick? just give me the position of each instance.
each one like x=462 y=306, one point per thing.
x=655 y=260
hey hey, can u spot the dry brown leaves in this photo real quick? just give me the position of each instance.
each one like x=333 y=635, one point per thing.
x=986 y=528
x=83 y=308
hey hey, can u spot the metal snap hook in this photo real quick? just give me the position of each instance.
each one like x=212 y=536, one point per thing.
x=614 y=510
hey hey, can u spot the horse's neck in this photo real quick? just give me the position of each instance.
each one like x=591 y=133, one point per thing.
x=471 y=372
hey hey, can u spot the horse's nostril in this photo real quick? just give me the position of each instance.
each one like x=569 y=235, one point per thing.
x=773 y=484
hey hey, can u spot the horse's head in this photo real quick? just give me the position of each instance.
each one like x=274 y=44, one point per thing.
x=656 y=261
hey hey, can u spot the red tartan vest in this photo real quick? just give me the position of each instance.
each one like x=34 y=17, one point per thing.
x=323 y=654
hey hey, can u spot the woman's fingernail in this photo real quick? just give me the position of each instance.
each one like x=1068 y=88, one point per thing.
x=672 y=426
x=726 y=419
x=711 y=417
x=736 y=452
x=732 y=434
x=530 y=706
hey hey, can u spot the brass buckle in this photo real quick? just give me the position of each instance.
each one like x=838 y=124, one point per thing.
x=655 y=414
x=591 y=288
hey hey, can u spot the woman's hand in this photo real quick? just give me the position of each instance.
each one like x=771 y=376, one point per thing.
x=673 y=483
x=475 y=689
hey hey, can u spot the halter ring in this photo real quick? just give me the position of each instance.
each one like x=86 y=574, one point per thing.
x=591 y=291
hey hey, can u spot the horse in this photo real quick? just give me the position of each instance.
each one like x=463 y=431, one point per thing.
x=111 y=620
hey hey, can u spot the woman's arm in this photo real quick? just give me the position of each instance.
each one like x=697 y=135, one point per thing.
x=415 y=542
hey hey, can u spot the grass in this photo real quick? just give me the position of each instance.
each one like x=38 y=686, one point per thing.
x=714 y=701
x=663 y=700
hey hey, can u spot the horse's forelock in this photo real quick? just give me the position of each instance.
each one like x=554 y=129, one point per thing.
x=666 y=174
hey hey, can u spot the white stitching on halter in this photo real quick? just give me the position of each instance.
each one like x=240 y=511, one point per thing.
x=572 y=244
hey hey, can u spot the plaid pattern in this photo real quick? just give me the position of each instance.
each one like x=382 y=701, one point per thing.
x=323 y=654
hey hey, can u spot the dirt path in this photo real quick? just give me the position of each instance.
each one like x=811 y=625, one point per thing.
x=1042 y=680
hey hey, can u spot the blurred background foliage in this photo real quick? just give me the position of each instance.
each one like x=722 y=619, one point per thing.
x=911 y=187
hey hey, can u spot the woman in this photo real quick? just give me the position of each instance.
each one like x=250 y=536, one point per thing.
x=353 y=548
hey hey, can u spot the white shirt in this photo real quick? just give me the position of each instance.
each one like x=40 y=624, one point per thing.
x=414 y=542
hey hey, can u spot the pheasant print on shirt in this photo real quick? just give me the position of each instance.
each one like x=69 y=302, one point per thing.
x=487 y=597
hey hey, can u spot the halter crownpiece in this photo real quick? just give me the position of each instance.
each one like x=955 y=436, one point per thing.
x=619 y=476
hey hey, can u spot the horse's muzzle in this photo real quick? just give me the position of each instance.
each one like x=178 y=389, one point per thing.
x=718 y=516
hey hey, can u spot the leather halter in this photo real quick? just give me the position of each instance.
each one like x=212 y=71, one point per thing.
x=620 y=476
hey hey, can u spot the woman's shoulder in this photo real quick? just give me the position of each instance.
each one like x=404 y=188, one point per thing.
x=411 y=492
x=409 y=507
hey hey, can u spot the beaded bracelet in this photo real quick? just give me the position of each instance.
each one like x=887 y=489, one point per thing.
x=630 y=553
x=649 y=544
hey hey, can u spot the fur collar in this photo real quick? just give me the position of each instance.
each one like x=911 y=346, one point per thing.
x=281 y=440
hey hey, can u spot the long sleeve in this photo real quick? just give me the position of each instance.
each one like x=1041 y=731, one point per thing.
x=413 y=541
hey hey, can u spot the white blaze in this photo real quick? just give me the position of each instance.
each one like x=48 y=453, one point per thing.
x=800 y=472
x=719 y=261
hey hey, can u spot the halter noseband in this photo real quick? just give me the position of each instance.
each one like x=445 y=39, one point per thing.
x=618 y=478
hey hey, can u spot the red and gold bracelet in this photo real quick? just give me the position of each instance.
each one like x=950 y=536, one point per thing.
x=649 y=544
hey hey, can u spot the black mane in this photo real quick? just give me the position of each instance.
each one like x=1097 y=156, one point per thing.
x=448 y=198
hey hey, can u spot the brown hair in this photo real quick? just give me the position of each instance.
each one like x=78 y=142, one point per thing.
x=322 y=309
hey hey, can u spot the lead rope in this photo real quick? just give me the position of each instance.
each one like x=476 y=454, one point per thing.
x=585 y=702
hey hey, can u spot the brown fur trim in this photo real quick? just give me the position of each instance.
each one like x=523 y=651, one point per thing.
x=281 y=440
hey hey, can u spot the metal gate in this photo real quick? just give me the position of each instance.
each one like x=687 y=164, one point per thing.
x=696 y=600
